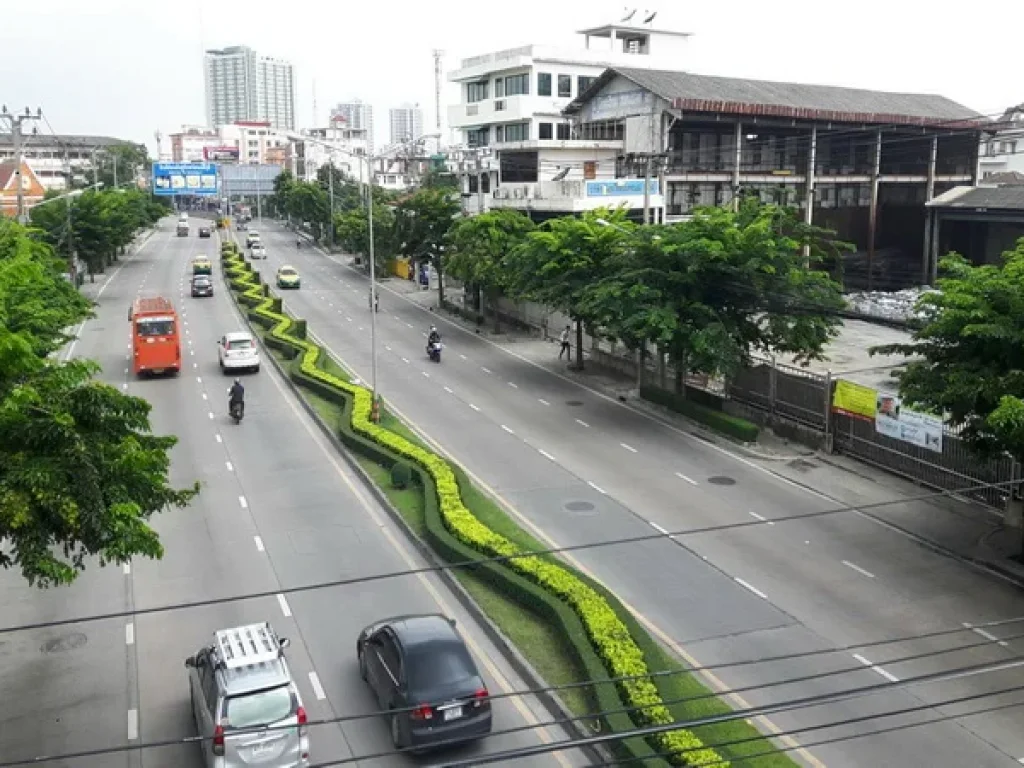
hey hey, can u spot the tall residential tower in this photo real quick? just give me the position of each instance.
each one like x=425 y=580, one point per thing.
x=406 y=123
x=357 y=115
x=243 y=85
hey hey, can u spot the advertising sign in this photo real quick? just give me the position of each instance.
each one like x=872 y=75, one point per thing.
x=224 y=154
x=854 y=400
x=619 y=188
x=894 y=420
x=184 y=179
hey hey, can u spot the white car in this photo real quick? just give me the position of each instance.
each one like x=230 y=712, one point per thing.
x=237 y=350
x=258 y=251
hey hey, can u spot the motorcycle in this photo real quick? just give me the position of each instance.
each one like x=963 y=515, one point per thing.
x=236 y=411
x=434 y=351
x=298 y=245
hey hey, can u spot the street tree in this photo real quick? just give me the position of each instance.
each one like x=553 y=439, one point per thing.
x=81 y=473
x=119 y=165
x=351 y=229
x=479 y=247
x=423 y=222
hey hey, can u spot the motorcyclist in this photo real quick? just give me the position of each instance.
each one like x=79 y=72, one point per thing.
x=237 y=396
x=433 y=337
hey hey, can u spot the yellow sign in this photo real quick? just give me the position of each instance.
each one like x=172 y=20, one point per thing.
x=854 y=400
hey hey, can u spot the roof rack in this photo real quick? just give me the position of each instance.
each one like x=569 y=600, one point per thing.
x=247 y=646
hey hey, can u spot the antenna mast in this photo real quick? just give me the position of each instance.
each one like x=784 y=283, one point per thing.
x=438 y=54
x=315 y=123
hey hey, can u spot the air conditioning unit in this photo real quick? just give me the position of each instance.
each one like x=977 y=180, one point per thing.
x=501 y=193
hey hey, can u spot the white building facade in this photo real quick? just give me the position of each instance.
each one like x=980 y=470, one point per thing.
x=1002 y=152
x=243 y=85
x=406 y=123
x=513 y=146
x=347 y=145
x=52 y=158
x=358 y=115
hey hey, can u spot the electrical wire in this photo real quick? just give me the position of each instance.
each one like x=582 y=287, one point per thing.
x=273 y=593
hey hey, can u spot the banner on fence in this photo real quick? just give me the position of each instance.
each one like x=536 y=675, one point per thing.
x=854 y=400
x=895 y=420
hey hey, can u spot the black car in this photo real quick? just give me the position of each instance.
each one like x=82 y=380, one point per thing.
x=204 y=231
x=202 y=285
x=420 y=667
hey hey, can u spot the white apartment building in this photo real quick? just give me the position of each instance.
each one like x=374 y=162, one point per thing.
x=514 y=148
x=358 y=115
x=243 y=85
x=406 y=123
x=347 y=146
x=257 y=141
x=52 y=157
x=189 y=145
x=1002 y=152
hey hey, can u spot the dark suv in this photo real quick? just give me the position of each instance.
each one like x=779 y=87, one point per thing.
x=202 y=285
x=419 y=668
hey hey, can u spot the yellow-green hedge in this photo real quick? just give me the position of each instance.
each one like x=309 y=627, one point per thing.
x=610 y=637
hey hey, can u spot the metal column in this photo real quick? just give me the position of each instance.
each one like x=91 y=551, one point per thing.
x=812 y=160
x=873 y=213
x=737 y=161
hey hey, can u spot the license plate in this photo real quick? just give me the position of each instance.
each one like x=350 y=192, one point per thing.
x=261 y=749
x=452 y=714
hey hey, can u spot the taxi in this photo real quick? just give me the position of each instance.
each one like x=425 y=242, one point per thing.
x=202 y=266
x=287 y=277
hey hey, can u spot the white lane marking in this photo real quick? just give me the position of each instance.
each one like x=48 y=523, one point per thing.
x=405 y=359
x=542 y=401
x=987 y=635
x=285 y=608
x=348 y=318
x=425 y=374
x=681 y=476
x=449 y=390
x=513 y=385
x=545 y=454
x=858 y=569
x=199 y=379
x=597 y=488
x=191 y=351
x=360 y=327
x=507 y=429
x=125 y=386
x=387 y=347
x=875 y=668
x=259 y=544
x=205 y=397
x=485 y=370
x=474 y=407
x=219 y=438
x=230 y=467
x=408 y=324
x=582 y=423
x=210 y=414
x=126 y=370
x=751 y=587
x=244 y=504
x=195 y=365
x=129 y=633
x=133 y=724
x=127 y=568
x=463 y=357
x=318 y=690
x=657 y=527
x=629 y=448
x=756 y=516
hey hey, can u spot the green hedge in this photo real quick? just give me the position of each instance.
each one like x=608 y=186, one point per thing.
x=580 y=610
x=733 y=426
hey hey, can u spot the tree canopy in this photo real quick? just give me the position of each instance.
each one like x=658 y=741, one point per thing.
x=81 y=473
x=423 y=221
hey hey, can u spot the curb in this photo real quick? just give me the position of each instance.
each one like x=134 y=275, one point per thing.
x=515 y=659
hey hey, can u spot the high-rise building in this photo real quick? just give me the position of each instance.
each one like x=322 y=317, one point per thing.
x=243 y=85
x=357 y=115
x=406 y=123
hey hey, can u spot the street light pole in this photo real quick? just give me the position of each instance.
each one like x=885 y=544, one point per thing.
x=15 y=122
x=373 y=294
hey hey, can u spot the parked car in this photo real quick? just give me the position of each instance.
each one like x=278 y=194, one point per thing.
x=204 y=231
x=237 y=350
x=288 y=277
x=240 y=684
x=420 y=666
x=202 y=285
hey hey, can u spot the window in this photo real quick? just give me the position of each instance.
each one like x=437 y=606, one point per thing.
x=259 y=709
x=517 y=132
x=155 y=327
x=499 y=133
x=563 y=132
x=476 y=92
x=517 y=85
x=564 y=86
x=544 y=131
x=583 y=82
x=543 y=84
x=477 y=138
x=499 y=87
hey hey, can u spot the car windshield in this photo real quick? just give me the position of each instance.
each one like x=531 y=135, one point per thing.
x=240 y=344
x=155 y=327
x=439 y=666
x=263 y=708
x=203 y=280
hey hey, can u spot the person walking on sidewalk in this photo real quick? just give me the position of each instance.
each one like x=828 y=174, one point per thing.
x=566 y=348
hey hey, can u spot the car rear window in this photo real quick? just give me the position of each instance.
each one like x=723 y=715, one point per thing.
x=240 y=344
x=155 y=327
x=262 y=708
x=439 y=666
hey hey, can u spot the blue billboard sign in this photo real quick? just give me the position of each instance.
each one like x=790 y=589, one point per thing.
x=184 y=179
x=619 y=188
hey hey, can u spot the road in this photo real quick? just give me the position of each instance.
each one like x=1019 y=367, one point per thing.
x=578 y=467
x=277 y=510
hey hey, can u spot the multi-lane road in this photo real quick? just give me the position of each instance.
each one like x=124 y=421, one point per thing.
x=278 y=509
x=577 y=467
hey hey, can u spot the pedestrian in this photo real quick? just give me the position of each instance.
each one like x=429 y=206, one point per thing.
x=566 y=347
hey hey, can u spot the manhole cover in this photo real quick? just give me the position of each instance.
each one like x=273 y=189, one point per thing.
x=721 y=480
x=64 y=643
x=574 y=403
x=579 y=506
x=802 y=465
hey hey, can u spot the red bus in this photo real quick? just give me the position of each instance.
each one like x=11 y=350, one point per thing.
x=156 y=345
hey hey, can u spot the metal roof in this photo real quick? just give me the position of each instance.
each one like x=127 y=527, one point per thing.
x=991 y=198
x=705 y=93
x=66 y=140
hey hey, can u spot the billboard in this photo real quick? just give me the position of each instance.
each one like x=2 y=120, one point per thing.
x=224 y=154
x=620 y=188
x=184 y=179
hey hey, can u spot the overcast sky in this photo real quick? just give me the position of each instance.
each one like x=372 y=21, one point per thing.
x=126 y=68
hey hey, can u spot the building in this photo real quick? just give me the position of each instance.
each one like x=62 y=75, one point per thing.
x=401 y=172
x=863 y=163
x=32 y=188
x=258 y=142
x=51 y=157
x=509 y=126
x=191 y=143
x=307 y=152
x=357 y=115
x=243 y=85
x=980 y=223
x=406 y=123
x=1003 y=151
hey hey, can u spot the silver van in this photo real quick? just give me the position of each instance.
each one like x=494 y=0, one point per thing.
x=245 y=704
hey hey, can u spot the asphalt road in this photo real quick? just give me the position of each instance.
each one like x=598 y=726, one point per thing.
x=278 y=509
x=579 y=467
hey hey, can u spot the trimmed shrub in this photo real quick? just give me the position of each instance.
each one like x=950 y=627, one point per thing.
x=731 y=426
x=401 y=475
x=460 y=536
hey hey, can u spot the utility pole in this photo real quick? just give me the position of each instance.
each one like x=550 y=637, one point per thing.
x=480 y=180
x=330 y=187
x=438 y=54
x=647 y=170
x=17 y=137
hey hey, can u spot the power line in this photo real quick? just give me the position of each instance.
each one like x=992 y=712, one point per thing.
x=496 y=559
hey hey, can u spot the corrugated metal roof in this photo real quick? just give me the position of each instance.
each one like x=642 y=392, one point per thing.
x=993 y=198
x=705 y=93
x=67 y=140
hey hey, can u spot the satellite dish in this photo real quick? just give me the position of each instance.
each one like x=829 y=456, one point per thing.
x=561 y=174
x=650 y=18
x=629 y=15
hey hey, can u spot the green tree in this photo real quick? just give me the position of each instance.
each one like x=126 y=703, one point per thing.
x=479 y=247
x=81 y=473
x=424 y=221
x=120 y=164
x=351 y=229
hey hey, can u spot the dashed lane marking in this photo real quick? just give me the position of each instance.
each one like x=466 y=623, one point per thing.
x=285 y=608
x=629 y=448
x=244 y=504
x=750 y=587
x=858 y=569
x=597 y=488
x=259 y=544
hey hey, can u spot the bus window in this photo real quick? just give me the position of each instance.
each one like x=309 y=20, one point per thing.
x=154 y=327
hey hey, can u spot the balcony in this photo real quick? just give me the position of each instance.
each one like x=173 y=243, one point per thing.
x=507 y=109
x=576 y=195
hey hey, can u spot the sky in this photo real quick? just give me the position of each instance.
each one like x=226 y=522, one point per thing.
x=128 y=68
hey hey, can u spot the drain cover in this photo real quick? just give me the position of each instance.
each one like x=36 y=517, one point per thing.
x=579 y=506
x=721 y=480
x=64 y=643
x=574 y=403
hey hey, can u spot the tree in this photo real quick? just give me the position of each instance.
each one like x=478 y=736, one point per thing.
x=118 y=164
x=424 y=220
x=351 y=229
x=80 y=472
x=479 y=248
